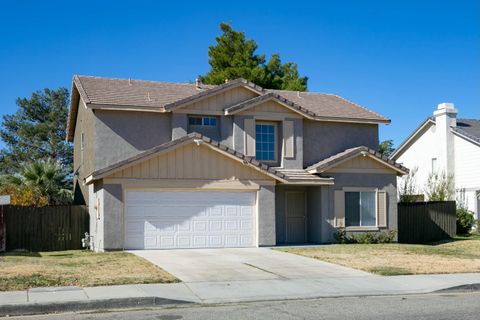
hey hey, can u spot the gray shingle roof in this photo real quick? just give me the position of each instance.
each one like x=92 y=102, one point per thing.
x=470 y=128
x=330 y=105
x=128 y=92
x=152 y=94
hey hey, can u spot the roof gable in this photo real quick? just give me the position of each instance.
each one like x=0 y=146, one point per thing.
x=468 y=129
x=370 y=160
x=198 y=141
x=417 y=133
x=257 y=101
x=215 y=103
x=215 y=91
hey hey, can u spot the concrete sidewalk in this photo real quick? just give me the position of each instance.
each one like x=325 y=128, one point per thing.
x=62 y=299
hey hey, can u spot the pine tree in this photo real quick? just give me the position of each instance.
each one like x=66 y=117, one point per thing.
x=234 y=57
x=36 y=131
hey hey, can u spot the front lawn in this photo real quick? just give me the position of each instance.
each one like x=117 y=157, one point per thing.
x=461 y=255
x=24 y=270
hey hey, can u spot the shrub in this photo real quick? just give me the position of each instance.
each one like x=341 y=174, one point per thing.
x=365 y=238
x=465 y=221
x=341 y=236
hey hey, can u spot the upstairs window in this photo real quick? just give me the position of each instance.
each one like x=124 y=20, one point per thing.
x=265 y=141
x=434 y=165
x=202 y=121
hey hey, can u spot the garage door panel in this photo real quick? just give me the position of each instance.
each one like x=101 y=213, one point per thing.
x=189 y=219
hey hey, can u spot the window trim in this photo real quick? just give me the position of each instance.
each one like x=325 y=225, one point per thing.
x=362 y=228
x=275 y=139
x=202 y=120
x=434 y=164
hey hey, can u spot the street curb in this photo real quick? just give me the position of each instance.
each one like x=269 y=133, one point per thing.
x=472 y=287
x=87 y=305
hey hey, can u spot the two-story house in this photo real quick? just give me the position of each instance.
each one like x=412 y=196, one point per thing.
x=179 y=165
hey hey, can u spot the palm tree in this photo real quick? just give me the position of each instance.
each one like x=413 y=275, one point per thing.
x=46 y=178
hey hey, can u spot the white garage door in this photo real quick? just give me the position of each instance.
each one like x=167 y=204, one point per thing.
x=189 y=219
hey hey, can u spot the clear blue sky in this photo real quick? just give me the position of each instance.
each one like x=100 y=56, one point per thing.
x=399 y=58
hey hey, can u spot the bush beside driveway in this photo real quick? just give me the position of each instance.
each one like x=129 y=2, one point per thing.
x=24 y=270
x=459 y=256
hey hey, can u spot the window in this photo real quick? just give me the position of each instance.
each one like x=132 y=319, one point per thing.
x=265 y=141
x=434 y=165
x=202 y=121
x=360 y=209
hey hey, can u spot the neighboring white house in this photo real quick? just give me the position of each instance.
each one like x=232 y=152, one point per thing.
x=443 y=143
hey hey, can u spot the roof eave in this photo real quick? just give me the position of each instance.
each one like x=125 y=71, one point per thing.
x=209 y=92
x=314 y=169
x=459 y=134
x=401 y=148
x=191 y=138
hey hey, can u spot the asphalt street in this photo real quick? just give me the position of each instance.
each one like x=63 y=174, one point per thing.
x=420 y=307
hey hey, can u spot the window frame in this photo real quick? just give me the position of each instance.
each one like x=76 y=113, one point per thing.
x=203 y=121
x=359 y=226
x=275 y=140
x=434 y=165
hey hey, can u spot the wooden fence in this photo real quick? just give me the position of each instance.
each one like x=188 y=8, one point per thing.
x=47 y=228
x=423 y=222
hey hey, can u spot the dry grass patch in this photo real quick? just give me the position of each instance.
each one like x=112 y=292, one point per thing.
x=396 y=259
x=24 y=270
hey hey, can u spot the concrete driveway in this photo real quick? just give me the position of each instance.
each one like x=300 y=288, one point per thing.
x=207 y=265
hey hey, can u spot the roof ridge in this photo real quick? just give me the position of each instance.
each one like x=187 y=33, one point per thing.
x=142 y=80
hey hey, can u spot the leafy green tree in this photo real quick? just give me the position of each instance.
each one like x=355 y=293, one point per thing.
x=46 y=179
x=386 y=148
x=36 y=131
x=234 y=57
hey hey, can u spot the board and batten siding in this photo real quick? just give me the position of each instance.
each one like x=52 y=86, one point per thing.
x=467 y=164
x=361 y=164
x=220 y=101
x=270 y=107
x=191 y=162
x=419 y=155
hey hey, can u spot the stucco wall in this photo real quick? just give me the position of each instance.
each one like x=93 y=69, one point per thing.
x=122 y=134
x=266 y=216
x=85 y=123
x=385 y=182
x=179 y=125
x=113 y=225
x=297 y=161
x=324 y=139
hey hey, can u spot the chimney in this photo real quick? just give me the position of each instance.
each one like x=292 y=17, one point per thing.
x=446 y=112
x=198 y=84
x=445 y=118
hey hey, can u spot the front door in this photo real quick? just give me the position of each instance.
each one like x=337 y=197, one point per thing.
x=295 y=217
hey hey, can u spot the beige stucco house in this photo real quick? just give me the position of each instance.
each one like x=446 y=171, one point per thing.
x=179 y=165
